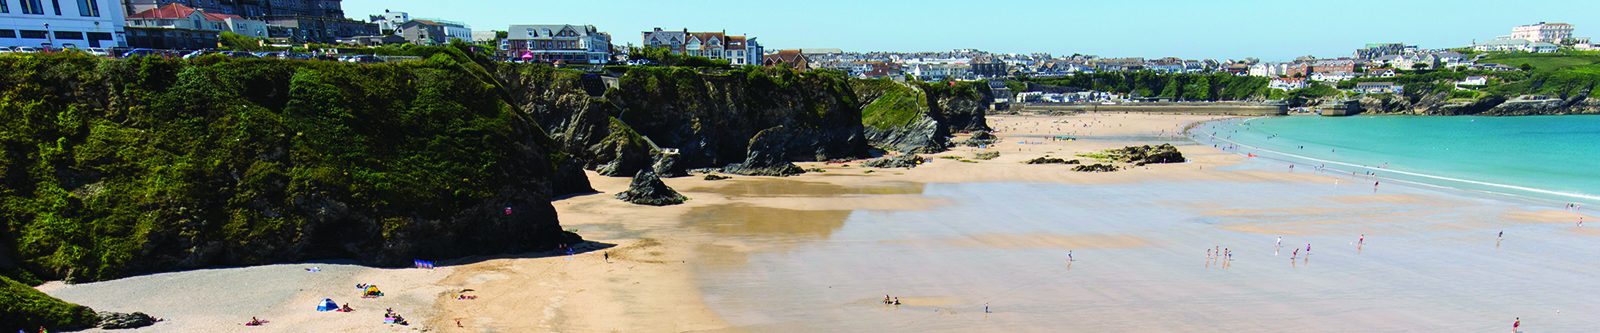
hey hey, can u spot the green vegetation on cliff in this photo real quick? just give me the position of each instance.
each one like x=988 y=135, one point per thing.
x=119 y=167
x=1543 y=61
x=23 y=307
x=896 y=105
x=1188 y=87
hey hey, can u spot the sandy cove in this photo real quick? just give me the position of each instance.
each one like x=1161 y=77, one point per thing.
x=650 y=283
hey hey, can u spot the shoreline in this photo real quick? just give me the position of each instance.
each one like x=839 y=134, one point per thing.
x=662 y=257
x=1507 y=191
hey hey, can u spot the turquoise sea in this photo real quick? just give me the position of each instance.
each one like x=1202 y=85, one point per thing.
x=1547 y=158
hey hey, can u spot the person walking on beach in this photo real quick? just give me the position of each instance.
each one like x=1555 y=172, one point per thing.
x=1363 y=240
x=1516 y=324
x=1069 y=256
x=1501 y=236
x=1280 y=242
x=608 y=257
x=1296 y=254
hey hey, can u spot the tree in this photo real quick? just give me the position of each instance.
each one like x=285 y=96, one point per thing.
x=1526 y=67
x=1419 y=66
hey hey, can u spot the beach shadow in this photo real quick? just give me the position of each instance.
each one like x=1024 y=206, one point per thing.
x=577 y=249
x=574 y=195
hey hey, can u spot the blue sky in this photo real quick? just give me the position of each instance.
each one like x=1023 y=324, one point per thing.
x=1267 y=29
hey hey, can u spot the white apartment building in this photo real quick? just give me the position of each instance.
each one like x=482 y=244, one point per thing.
x=389 y=20
x=62 y=23
x=1543 y=32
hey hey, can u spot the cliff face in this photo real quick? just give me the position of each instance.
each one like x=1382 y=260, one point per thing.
x=898 y=117
x=711 y=119
x=960 y=106
x=119 y=167
x=1492 y=105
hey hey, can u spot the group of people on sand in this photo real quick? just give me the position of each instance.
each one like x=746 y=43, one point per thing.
x=889 y=301
x=391 y=317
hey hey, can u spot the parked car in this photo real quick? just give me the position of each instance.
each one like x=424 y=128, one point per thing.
x=26 y=49
x=141 y=53
x=240 y=54
x=196 y=54
x=365 y=59
x=99 y=52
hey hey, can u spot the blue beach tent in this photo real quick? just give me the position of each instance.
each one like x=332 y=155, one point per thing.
x=327 y=305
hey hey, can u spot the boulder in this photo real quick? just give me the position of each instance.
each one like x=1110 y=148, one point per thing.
x=117 y=320
x=1050 y=160
x=647 y=189
x=717 y=177
x=767 y=156
x=1141 y=155
x=903 y=161
x=980 y=138
x=1097 y=167
x=669 y=165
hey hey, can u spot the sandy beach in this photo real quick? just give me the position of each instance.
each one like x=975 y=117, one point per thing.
x=817 y=252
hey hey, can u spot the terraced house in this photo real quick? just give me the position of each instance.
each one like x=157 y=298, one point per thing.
x=567 y=43
x=737 y=50
x=61 y=23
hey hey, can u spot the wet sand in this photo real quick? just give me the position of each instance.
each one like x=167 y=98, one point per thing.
x=817 y=252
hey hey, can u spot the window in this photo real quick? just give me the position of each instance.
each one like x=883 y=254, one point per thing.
x=33 y=34
x=73 y=35
x=57 y=5
x=32 y=7
x=4 y=8
x=8 y=33
x=89 y=8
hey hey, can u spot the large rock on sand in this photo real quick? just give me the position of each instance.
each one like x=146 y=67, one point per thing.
x=647 y=189
x=116 y=320
x=903 y=161
x=767 y=155
x=1141 y=155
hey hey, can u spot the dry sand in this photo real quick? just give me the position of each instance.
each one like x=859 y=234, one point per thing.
x=663 y=258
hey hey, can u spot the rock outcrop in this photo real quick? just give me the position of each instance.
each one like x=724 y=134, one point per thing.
x=960 y=106
x=905 y=161
x=1097 y=167
x=667 y=165
x=1050 y=160
x=767 y=155
x=647 y=189
x=980 y=138
x=117 y=321
x=713 y=119
x=1141 y=155
x=898 y=117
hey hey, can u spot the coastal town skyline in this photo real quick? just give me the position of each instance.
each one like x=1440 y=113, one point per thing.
x=1271 y=34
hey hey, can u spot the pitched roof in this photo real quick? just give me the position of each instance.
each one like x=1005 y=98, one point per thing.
x=178 y=11
x=170 y=11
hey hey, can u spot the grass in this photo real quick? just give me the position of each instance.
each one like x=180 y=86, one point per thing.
x=1545 y=62
x=897 y=105
x=22 y=307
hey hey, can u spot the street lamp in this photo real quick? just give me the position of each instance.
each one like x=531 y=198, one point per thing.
x=49 y=36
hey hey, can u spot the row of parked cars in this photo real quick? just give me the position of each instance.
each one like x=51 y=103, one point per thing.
x=141 y=52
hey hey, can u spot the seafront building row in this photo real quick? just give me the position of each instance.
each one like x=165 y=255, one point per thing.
x=199 y=24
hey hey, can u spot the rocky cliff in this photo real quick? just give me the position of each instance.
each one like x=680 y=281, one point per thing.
x=960 y=106
x=710 y=119
x=120 y=167
x=899 y=117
